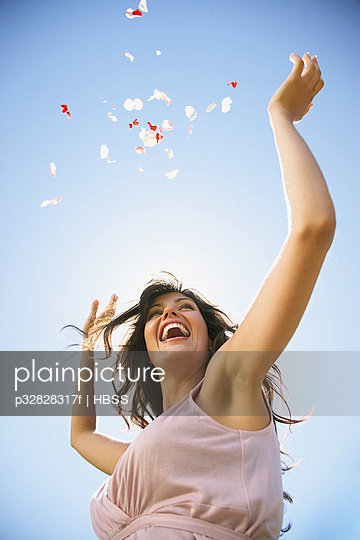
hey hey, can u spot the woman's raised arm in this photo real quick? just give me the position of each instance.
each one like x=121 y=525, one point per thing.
x=97 y=448
x=282 y=299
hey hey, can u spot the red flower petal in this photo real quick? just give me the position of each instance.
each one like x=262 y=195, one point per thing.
x=233 y=84
x=136 y=122
x=130 y=126
x=153 y=128
x=137 y=13
x=65 y=110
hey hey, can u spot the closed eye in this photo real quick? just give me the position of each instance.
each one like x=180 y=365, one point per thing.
x=189 y=306
x=156 y=312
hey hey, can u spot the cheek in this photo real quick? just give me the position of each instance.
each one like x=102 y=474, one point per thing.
x=149 y=334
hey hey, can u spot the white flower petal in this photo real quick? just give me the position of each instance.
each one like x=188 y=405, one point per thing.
x=167 y=125
x=128 y=104
x=138 y=104
x=143 y=6
x=150 y=139
x=104 y=151
x=158 y=52
x=52 y=169
x=190 y=112
x=50 y=201
x=156 y=95
x=211 y=107
x=160 y=95
x=172 y=174
x=170 y=153
x=129 y=56
x=140 y=150
x=140 y=169
x=226 y=105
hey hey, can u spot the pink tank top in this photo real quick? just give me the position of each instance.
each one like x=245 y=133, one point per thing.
x=186 y=476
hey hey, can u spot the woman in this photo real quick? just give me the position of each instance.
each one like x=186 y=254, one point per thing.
x=209 y=465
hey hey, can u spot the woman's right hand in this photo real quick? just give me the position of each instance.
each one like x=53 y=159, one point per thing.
x=94 y=325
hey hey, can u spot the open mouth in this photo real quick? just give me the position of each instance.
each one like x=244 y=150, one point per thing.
x=173 y=331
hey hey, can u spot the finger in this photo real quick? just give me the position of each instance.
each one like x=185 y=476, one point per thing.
x=317 y=74
x=92 y=315
x=318 y=86
x=298 y=64
x=310 y=67
x=308 y=108
x=112 y=304
x=93 y=310
x=110 y=308
x=113 y=299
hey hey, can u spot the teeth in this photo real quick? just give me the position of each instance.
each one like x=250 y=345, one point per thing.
x=174 y=325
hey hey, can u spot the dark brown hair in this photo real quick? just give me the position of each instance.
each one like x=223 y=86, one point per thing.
x=147 y=396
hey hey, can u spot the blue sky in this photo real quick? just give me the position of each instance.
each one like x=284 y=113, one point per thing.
x=218 y=225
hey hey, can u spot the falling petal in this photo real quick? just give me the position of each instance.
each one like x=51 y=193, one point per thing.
x=150 y=139
x=156 y=95
x=104 y=151
x=172 y=174
x=226 y=105
x=129 y=56
x=140 y=150
x=130 y=104
x=52 y=168
x=191 y=129
x=142 y=133
x=50 y=201
x=233 y=84
x=114 y=107
x=136 y=122
x=153 y=128
x=211 y=107
x=140 y=169
x=166 y=98
x=143 y=6
x=105 y=101
x=65 y=110
x=160 y=95
x=131 y=13
x=170 y=153
x=111 y=160
x=167 y=125
x=190 y=112
x=158 y=52
x=112 y=117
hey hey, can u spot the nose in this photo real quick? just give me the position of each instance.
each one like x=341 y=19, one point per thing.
x=169 y=312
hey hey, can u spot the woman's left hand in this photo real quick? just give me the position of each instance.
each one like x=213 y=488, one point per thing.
x=294 y=97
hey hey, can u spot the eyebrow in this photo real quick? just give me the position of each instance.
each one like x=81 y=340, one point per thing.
x=177 y=300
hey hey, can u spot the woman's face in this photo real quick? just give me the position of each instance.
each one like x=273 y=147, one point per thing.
x=174 y=323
